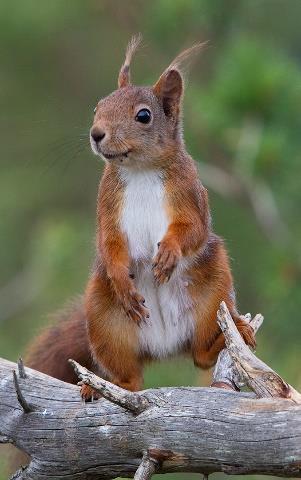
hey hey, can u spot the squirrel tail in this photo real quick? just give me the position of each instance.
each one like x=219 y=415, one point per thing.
x=66 y=338
x=49 y=353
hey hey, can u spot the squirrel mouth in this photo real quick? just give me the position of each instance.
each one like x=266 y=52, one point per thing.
x=110 y=156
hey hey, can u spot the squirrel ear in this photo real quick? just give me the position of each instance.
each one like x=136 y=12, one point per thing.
x=124 y=78
x=169 y=89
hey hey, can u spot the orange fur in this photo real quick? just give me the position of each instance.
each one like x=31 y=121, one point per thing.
x=211 y=283
x=114 y=308
x=112 y=301
x=113 y=246
x=66 y=338
x=112 y=335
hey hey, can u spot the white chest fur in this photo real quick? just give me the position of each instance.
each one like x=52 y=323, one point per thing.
x=144 y=221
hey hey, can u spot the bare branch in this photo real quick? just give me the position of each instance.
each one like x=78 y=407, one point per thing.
x=256 y=322
x=225 y=374
x=21 y=368
x=147 y=468
x=20 y=474
x=22 y=401
x=132 y=401
x=184 y=431
x=258 y=376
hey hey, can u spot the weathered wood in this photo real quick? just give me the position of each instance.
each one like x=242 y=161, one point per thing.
x=202 y=430
x=21 y=368
x=4 y=439
x=22 y=401
x=147 y=468
x=225 y=374
x=257 y=375
x=19 y=474
x=132 y=401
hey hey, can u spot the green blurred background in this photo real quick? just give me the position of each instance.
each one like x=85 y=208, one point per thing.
x=242 y=115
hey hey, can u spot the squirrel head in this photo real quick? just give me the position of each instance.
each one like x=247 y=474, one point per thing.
x=138 y=126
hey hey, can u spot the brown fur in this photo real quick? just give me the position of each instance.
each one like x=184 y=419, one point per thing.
x=66 y=338
x=102 y=334
x=112 y=301
x=113 y=308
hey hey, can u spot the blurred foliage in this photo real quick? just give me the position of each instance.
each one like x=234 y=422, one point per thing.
x=242 y=115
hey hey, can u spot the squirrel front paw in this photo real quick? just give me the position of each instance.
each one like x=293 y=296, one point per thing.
x=165 y=261
x=130 y=299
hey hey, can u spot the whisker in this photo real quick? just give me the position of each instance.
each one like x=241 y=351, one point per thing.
x=56 y=153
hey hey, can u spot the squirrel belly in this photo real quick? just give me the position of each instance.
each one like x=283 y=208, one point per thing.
x=144 y=221
x=170 y=328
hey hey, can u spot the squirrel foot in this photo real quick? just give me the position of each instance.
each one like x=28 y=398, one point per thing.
x=246 y=332
x=88 y=393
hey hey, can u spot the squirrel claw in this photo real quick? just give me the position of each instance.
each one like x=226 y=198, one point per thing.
x=246 y=332
x=88 y=394
x=135 y=307
x=131 y=301
x=165 y=262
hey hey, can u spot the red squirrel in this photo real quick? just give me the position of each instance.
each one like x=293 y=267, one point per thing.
x=160 y=271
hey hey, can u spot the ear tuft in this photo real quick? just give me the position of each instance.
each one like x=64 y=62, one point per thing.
x=124 y=77
x=169 y=88
x=186 y=55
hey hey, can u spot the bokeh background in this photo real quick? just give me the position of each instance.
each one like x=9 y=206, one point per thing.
x=242 y=115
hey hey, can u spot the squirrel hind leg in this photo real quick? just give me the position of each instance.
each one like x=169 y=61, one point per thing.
x=115 y=344
x=206 y=357
x=207 y=345
x=245 y=330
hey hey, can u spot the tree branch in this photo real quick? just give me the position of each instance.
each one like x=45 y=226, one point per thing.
x=22 y=401
x=147 y=468
x=203 y=430
x=257 y=375
x=21 y=368
x=225 y=374
x=134 y=402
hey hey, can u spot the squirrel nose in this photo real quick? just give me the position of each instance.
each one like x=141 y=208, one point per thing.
x=97 y=135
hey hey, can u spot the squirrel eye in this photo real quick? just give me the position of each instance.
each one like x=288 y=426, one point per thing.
x=94 y=111
x=143 y=116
